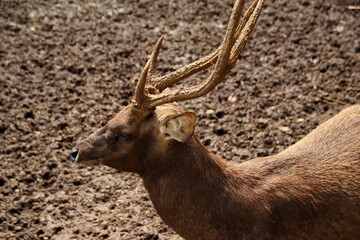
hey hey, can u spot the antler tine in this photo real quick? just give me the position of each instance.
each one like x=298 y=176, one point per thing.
x=140 y=87
x=148 y=72
x=154 y=56
x=246 y=28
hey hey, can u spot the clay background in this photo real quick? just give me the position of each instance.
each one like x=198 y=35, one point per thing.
x=67 y=67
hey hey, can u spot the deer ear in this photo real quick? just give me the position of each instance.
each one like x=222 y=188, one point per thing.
x=180 y=127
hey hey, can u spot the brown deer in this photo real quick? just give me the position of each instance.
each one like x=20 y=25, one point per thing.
x=309 y=191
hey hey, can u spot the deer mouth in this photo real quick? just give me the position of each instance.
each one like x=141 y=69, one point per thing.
x=89 y=162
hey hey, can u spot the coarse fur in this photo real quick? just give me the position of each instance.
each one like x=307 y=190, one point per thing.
x=309 y=191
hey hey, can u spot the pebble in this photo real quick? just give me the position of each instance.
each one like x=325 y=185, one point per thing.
x=284 y=129
x=232 y=99
x=210 y=111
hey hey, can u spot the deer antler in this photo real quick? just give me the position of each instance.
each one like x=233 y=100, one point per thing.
x=149 y=91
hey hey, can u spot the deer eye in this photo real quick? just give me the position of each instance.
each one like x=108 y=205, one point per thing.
x=120 y=137
x=125 y=137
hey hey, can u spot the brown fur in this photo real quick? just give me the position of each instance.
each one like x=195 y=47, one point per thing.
x=309 y=191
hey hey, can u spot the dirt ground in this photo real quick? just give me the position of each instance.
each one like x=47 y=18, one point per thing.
x=67 y=67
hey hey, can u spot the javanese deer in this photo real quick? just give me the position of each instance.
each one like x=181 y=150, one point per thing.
x=309 y=191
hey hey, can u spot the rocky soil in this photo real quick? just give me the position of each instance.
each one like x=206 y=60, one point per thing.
x=67 y=67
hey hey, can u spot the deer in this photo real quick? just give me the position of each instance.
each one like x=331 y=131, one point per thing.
x=311 y=190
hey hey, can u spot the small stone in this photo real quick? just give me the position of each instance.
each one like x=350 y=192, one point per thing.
x=172 y=32
x=210 y=111
x=232 y=99
x=300 y=120
x=339 y=28
x=284 y=129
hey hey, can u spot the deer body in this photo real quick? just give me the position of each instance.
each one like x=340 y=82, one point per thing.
x=309 y=194
x=309 y=191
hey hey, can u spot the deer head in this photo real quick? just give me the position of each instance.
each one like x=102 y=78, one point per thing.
x=153 y=121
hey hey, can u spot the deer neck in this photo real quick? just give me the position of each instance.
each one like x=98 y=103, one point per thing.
x=191 y=160
x=195 y=185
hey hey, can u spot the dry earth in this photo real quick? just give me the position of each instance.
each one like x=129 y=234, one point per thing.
x=67 y=67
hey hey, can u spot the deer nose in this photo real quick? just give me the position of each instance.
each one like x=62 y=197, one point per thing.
x=73 y=155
